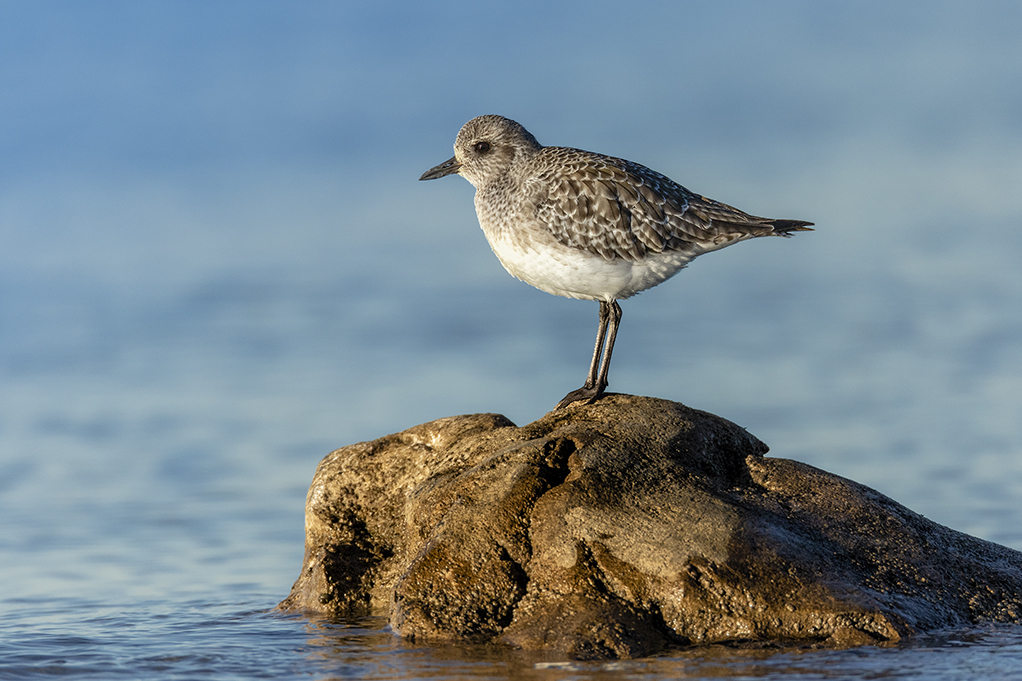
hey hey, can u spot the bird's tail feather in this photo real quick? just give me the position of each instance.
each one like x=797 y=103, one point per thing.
x=786 y=227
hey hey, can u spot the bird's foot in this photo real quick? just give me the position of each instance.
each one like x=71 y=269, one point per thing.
x=586 y=393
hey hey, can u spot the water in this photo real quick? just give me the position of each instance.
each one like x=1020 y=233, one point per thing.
x=216 y=266
x=202 y=639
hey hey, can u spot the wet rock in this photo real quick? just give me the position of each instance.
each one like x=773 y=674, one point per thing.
x=618 y=528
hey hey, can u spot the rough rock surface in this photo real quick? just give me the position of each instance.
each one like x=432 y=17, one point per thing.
x=618 y=528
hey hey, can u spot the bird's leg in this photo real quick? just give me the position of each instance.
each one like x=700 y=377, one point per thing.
x=614 y=314
x=601 y=334
x=596 y=381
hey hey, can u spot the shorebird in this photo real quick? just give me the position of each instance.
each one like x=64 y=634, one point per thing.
x=584 y=225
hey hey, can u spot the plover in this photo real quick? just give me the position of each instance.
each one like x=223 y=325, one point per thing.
x=583 y=225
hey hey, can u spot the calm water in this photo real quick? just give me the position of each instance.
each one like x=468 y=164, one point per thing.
x=225 y=640
x=216 y=266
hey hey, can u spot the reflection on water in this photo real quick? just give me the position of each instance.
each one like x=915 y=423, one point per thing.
x=219 y=640
x=367 y=650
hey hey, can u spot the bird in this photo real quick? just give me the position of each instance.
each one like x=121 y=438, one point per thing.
x=585 y=225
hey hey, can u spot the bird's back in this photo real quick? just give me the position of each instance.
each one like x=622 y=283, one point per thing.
x=618 y=209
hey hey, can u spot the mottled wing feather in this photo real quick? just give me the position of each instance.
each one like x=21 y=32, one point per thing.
x=619 y=209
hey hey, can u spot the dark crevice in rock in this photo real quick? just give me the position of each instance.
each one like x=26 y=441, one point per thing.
x=344 y=568
x=554 y=467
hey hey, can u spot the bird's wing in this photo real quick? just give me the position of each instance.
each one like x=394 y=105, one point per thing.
x=619 y=209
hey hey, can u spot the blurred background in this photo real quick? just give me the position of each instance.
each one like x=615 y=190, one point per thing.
x=216 y=263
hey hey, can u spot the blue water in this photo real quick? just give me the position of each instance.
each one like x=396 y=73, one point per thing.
x=225 y=640
x=216 y=266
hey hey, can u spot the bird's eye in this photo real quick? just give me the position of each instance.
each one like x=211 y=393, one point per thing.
x=482 y=147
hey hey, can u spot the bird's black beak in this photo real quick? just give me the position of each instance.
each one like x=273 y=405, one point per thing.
x=448 y=167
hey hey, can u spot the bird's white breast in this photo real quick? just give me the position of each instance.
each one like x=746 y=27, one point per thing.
x=532 y=255
x=527 y=249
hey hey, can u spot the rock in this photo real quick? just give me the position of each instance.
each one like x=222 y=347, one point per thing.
x=622 y=527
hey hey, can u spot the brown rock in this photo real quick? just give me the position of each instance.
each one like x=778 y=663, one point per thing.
x=618 y=528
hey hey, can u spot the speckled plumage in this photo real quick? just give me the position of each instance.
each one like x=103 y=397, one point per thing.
x=583 y=225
